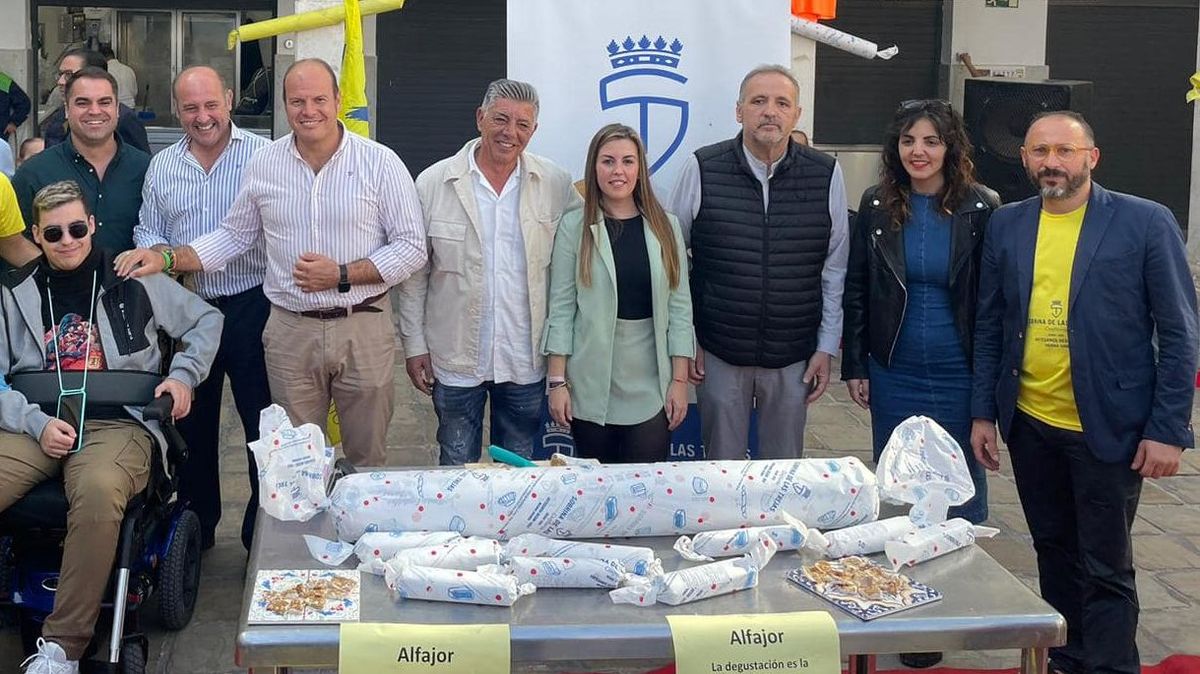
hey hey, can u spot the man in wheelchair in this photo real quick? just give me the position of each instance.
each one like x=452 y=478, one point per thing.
x=68 y=311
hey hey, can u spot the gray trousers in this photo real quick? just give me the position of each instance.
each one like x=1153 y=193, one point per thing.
x=726 y=396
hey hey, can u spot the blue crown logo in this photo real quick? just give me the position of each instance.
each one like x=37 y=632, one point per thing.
x=644 y=52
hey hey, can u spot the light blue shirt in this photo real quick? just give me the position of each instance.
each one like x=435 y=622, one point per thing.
x=182 y=202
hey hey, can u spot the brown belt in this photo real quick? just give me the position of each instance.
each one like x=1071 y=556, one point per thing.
x=366 y=306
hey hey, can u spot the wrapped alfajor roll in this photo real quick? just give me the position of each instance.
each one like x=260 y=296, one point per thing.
x=934 y=540
x=561 y=572
x=410 y=581
x=704 y=547
x=698 y=582
x=861 y=539
x=467 y=554
x=385 y=544
x=635 y=559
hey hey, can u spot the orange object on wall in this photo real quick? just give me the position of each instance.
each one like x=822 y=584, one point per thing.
x=815 y=10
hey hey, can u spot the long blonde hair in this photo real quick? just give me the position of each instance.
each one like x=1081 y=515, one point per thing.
x=643 y=197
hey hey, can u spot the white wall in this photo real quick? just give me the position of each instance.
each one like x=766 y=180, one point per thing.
x=999 y=35
x=1006 y=41
x=804 y=67
x=14 y=50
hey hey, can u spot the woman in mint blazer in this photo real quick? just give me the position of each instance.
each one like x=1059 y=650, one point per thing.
x=619 y=331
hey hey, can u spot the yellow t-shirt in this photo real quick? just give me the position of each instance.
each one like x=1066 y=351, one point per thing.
x=10 y=211
x=1046 y=392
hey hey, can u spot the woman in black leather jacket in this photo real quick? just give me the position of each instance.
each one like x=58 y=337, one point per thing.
x=911 y=283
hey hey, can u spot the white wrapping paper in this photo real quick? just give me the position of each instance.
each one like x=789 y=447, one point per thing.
x=923 y=465
x=705 y=546
x=841 y=40
x=635 y=559
x=562 y=572
x=861 y=539
x=466 y=554
x=607 y=501
x=294 y=465
x=934 y=541
x=409 y=581
x=385 y=545
x=326 y=551
x=698 y=582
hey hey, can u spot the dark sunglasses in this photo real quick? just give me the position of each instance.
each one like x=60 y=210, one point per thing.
x=931 y=104
x=54 y=233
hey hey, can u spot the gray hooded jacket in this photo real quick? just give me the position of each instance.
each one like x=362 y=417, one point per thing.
x=129 y=313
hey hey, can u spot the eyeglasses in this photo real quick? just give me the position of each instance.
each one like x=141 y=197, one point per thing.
x=65 y=74
x=54 y=233
x=1063 y=152
x=931 y=104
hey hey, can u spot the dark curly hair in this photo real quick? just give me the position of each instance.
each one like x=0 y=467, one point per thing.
x=895 y=185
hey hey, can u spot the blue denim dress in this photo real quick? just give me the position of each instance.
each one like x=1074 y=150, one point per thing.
x=929 y=374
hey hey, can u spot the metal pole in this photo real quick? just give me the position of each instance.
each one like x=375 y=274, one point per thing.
x=118 y=629
x=860 y=664
x=1035 y=661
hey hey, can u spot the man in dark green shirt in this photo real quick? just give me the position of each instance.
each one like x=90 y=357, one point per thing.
x=109 y=171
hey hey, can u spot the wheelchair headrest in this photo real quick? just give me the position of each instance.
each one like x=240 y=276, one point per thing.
x=104 y=387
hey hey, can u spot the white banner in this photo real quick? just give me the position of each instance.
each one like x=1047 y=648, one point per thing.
x=668 y=68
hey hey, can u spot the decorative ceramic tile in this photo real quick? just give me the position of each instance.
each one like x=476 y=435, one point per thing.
x=305 y=596
x=862 y=588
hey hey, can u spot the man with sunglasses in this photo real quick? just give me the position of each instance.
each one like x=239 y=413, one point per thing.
x=1085 y=353
x=70 y=311
x=109 y=170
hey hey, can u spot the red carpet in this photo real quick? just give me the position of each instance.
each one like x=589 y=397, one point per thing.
x=1176 y=664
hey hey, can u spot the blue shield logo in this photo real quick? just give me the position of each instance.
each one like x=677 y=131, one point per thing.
x=645 y=74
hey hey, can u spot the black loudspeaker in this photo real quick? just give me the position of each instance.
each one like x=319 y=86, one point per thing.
x=997 y=113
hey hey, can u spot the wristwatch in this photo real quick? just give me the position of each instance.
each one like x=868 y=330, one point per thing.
x=343 y=279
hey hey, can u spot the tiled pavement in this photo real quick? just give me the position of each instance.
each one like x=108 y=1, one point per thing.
x=1167 y=543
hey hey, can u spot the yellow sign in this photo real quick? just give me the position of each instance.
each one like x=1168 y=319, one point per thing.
x=377 y=648
x=766 y=642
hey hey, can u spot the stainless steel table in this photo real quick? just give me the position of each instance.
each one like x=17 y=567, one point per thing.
x=984 y=608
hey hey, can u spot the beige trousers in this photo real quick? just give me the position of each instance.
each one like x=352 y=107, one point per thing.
x=112 y=468
x=351 y=360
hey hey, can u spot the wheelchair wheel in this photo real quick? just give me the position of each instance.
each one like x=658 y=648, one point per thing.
x=179 y=574
x=133 y=656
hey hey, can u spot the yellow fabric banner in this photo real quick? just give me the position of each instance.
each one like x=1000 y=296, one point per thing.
x=353 y=86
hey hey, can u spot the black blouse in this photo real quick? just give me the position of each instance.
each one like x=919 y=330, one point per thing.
x=632 y=261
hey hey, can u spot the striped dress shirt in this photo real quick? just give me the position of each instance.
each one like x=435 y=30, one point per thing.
x=182 y=202
x=361 y=205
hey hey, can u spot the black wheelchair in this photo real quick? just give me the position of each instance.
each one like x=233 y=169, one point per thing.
x=158 y=554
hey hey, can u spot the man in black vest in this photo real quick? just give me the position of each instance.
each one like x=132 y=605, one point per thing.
x=766 y=221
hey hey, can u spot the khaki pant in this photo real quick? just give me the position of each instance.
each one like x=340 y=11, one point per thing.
x=351 y=359
x=112 y=468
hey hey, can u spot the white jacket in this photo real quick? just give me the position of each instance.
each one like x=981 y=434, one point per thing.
x=440 y=305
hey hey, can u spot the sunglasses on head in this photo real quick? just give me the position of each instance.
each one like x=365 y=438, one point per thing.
x=932 y=104
x=54 y=233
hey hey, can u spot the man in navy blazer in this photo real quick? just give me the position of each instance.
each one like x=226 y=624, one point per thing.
x=1086 y=347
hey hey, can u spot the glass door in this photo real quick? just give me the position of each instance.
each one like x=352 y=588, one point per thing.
x=204 y=42
x=145 y=41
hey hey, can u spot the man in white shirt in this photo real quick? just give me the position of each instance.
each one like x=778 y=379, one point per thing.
x=126 y=79
x=472 y=320
x=340 y=223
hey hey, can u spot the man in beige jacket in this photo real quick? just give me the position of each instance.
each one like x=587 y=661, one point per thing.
x=472 y=320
